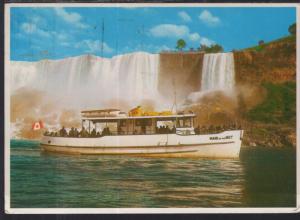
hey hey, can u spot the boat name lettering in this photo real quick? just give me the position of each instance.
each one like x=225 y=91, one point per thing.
x=221 y=138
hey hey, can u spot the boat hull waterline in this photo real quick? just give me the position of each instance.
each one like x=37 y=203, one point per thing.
x=222 y=145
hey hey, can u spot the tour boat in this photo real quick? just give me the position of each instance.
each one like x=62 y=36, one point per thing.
x=162 y=134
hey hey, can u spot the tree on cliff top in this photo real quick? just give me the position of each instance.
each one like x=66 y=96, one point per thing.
x=180 y=44
x=202 y=48
x=215 y=48
x=292 y=29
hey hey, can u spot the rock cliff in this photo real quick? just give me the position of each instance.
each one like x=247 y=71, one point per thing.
x=272 y=62
x=181 y=69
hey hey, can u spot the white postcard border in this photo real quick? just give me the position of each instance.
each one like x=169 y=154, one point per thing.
x=10 y=210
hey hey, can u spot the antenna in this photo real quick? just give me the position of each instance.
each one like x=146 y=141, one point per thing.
x=141 y=31
x=117 y=45
x=102 y=37
x=142 y=40
x=175 y=98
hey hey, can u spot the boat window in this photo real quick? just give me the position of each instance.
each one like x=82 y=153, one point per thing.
x=187 y=122
x=179 y=123
x=123 y=123
x=138 y=122
x=182 y=123
x=143 y=122
x=148 y=122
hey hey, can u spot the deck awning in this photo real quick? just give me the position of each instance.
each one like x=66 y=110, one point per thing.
x=101 y=110
x=158 y=118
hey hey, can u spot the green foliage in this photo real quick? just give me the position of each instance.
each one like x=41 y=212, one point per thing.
x=180 y=44
x=279 y=105
x=292 y=29
x=258 y=48
x=202 y=48
x=215 y=48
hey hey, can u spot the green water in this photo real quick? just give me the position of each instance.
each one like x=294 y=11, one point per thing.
x=262 y=177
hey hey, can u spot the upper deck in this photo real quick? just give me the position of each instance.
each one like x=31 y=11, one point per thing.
x=104 y=115
x=138 y=121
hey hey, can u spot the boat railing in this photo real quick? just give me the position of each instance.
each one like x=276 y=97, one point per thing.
x=112 y=133
x=197 y=131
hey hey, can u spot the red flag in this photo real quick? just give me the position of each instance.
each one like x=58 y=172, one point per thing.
x=37 y=125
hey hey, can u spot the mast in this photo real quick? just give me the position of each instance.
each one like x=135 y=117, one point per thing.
x=102 y=37
x=141 y=32
x=175 y=98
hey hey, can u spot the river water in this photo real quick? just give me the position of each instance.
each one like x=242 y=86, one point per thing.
x=261 y=177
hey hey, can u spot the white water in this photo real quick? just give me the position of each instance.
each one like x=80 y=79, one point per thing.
x=218 y=72
x=89 y=81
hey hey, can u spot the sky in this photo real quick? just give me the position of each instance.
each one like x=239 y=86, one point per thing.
x=56 y=32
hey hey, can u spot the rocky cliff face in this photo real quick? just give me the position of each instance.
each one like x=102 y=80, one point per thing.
x=183 y=69
x=273 y=62
x=271 y=118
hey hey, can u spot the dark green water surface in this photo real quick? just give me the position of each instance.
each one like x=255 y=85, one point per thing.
x=262 y=177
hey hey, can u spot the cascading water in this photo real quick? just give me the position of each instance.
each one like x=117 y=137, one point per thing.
x=91 y=80
x=218 y=72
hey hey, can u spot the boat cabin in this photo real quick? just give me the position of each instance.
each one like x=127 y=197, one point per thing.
x=119 y=123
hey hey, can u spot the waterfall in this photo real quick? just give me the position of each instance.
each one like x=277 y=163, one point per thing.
x=91 y=80
x=218 y=72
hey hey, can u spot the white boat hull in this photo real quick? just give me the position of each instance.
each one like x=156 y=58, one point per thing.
x=223 y=145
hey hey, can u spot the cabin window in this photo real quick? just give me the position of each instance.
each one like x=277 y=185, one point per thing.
x=179 y=123
x=148 y=122
x=143 y=122
x=122 y=123
x=187 y=122
x=138 y=122
x=182 y=123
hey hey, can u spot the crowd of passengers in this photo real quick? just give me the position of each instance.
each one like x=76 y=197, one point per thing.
x=165 y=130
x=74 y=132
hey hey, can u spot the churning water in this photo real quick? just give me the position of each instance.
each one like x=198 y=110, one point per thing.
x=262 y=177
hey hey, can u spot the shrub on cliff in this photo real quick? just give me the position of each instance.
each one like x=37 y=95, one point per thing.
x=215 y=48
x=279 y=105
x=288 y=41
x=180 y=44
x=292 y=29
x=202 y=48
